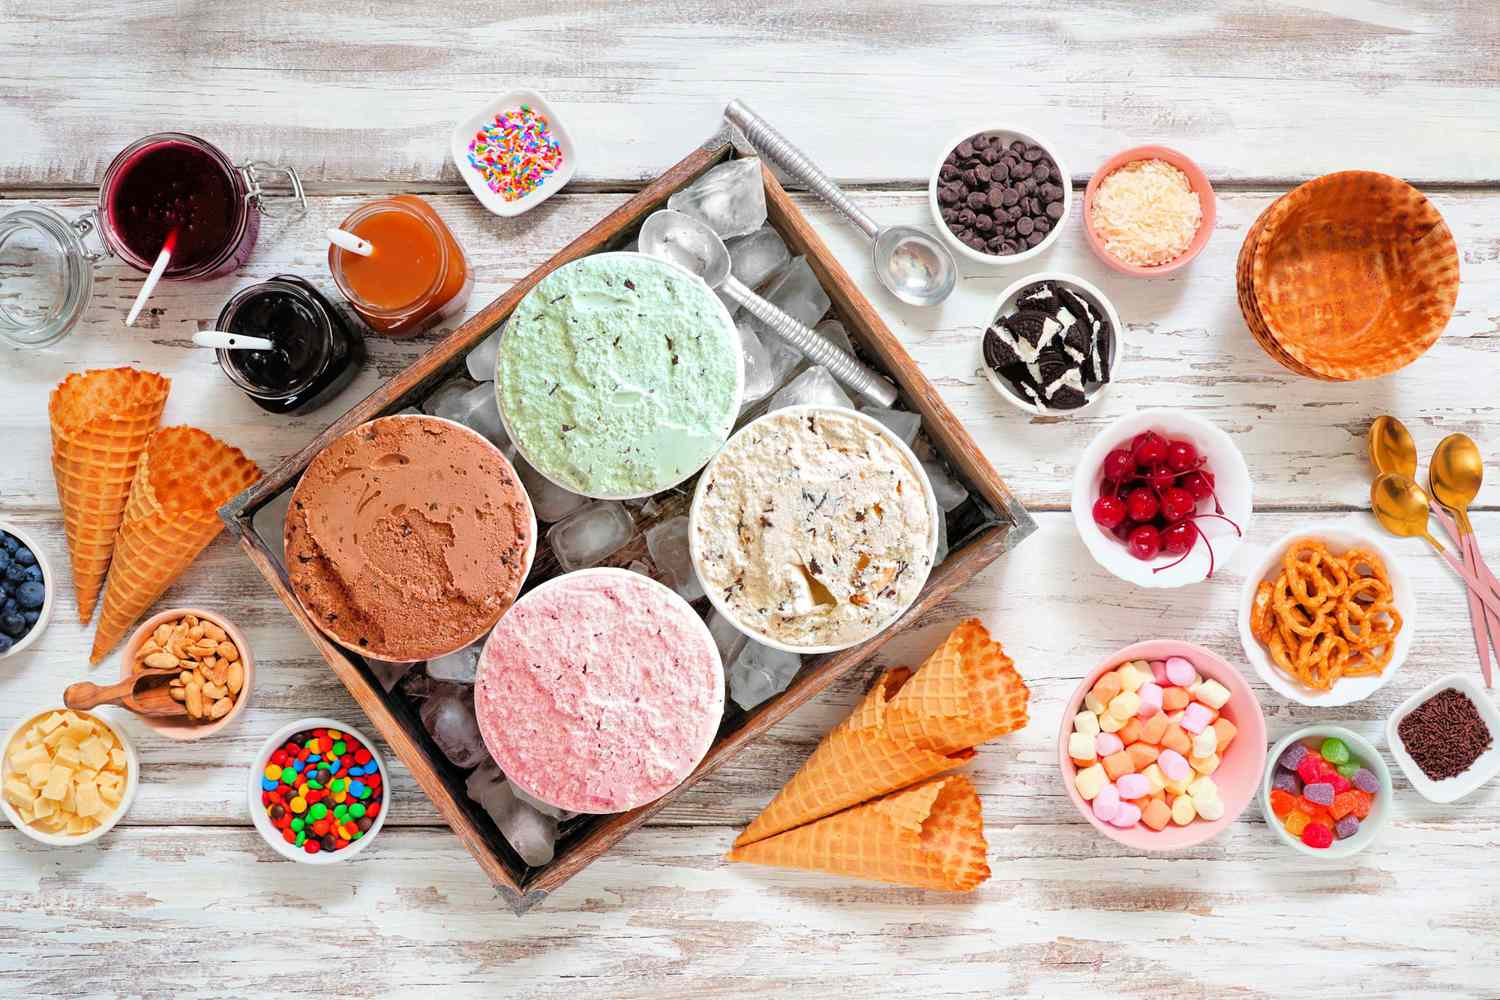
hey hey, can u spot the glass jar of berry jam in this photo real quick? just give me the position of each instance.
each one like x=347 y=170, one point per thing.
x=316 y=352
x=418 y=275
x=175 y=189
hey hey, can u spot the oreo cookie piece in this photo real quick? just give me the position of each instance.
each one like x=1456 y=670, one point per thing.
x=998 y=352
x=1052 y=364
x=1054 y=347
x=1067 y=398
x=1030 y=325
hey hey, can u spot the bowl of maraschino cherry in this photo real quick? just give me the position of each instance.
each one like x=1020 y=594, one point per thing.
x=1162 y=498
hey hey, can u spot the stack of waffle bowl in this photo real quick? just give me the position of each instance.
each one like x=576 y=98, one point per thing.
x=873 y=801
x=1349 y=276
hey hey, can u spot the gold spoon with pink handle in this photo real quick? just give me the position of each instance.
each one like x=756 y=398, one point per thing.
x=1402 y=508
x=1455 y=476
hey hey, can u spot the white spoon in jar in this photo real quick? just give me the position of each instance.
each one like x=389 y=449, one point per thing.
x=231 y=341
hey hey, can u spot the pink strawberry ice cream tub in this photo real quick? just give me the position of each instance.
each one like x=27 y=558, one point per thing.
x=599 y=691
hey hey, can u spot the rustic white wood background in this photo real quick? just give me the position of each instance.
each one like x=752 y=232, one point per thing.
x=184 y=898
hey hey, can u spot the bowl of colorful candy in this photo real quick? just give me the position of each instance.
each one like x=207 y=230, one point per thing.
x=318 y=792
x=1327 y=792
x=1161 y=498
x=26 y=590
x=1162 y=745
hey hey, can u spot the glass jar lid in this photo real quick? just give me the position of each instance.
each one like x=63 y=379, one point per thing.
x=46 y=275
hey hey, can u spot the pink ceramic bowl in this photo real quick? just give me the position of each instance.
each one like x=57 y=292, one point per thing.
x=1238 y=777
x=1196 y=177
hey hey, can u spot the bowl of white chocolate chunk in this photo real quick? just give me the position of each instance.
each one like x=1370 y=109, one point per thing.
x=68 y=776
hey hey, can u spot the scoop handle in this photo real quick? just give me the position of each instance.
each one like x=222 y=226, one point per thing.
x=86 y=694
x=779 y=150
x=840 y=365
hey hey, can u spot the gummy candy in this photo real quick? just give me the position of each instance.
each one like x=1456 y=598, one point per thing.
x=1363 y=803
x=1343 y=804
x=1283 y=802
x=1287 y=781
x=1335 y=751
x=1320 y=792
x=1311 y=768
x=1292 y=757
x=1346 y=828
x=1296 y=821
x=1340 y=783
x=1364 y=779
x=1317 y=835
x=1347 y=770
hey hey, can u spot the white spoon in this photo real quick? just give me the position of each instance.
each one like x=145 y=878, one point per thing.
x=231 y=341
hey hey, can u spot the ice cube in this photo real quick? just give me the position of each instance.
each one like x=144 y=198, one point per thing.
x=833 y=331
x=449 y=720
x=586 y=536
x=949 y=491
x=756 y=257
x=757 y=363
x=813 y=386
x=729 y=639
x=731 y=198
x=795 y=290
x=446 y=399
x=388 y=673
x=460 y=667
x=480 y=411
x=902 y=423
x=551 y=502
x=942 y=545
x=760 y=672
x=481 y=360
x=545 y=808
x=529 y=832
x=636 y=566
x=668 y=544
x=270 y=523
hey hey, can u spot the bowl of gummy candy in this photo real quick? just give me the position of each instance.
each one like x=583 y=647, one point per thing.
x=1162 y=498
x=1327 y=791
x=1162 y=745
x=318 y=792
x=25 y=590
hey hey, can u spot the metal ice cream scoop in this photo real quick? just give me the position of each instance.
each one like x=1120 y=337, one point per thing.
x=687 y=242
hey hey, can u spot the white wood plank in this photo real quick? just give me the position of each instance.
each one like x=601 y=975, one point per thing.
x=370 y=92
x=1186 y=346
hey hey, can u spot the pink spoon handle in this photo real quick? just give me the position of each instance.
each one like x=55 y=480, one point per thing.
x=1476 y=588
x=1485 y=622
x=1476 y=560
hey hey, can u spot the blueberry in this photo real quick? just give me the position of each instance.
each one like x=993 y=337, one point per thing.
x=31 y=617
x=8 y=541
x=16 y=573
x=5 y=643
x=13 y=625
x=8 y=605
x=34 y=572
x=25 y=556
x=4 y=560
x=31 y=595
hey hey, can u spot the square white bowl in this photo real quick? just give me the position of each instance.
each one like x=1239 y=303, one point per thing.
x=465 y=130
x=1369 y=828
x=1340 y=536
x=1481 y=771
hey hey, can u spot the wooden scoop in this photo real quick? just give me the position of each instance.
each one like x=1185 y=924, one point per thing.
x=145 y=693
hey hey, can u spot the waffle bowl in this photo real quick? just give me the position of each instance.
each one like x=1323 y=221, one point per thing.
x=1350 y=276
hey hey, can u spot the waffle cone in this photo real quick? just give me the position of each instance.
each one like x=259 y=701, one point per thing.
x=967 y=692
x=1352 y=276
x=930 y=836
x=856 y=762
x=184 y=477
x=100 y=423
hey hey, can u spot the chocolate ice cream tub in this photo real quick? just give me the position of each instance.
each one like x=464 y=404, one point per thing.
x=978 y=517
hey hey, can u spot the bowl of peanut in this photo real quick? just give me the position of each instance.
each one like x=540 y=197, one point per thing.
x=216 y=670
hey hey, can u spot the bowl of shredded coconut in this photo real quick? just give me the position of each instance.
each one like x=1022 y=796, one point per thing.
x=1148 y=211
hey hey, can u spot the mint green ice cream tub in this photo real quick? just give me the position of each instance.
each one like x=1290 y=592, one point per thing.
x=619 y=376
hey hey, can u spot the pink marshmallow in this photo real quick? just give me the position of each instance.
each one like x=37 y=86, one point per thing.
x=1133 y=786
x=1159 y=671
x=1196 y=717
x=1181 y=672
x=1106 y=803
x=1107 y=743
x=1150 y=700
x=1128 y=815
x=1174 y=765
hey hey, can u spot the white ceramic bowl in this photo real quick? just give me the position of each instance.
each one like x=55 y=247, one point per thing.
x=132 y=782
x=1369 y=828
x=1340 y=537
x=49 y=580
x=1481 y=771
x=263 y=822
x=465 y=130
x=1007 y=298
x=1232 y=483
x=1009 y=134
x=739 y=391
x=697 y=556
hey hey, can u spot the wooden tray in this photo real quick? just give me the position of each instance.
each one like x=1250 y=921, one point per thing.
x=985 y=526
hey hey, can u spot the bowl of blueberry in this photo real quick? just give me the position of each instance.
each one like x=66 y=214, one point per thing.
x=1051 y=345
x=25 y=590
x=1162 y=498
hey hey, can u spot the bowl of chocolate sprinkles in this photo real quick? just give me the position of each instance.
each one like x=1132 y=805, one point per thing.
x=1444 y=738
x=1051 y=346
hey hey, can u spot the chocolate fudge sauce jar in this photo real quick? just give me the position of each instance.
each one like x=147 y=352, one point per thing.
x=317 y=350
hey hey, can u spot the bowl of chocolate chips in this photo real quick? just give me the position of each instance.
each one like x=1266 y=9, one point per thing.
x=1000 y=196
x=1052 y=344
